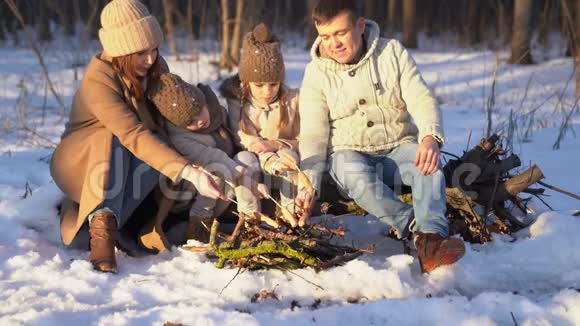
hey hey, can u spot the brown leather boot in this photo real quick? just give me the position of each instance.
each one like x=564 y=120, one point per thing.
x=198 y=229
x=104 y=235
x=153 y=238
x=434 y=251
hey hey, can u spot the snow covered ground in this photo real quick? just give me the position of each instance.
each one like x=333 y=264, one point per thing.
x=532 y=278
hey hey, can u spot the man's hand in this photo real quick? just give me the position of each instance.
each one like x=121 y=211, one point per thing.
x=264 y=146
x=427 y=159
x=304 y=200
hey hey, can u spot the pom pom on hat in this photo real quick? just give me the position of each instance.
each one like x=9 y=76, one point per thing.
x=261 y=57
x=262 y=33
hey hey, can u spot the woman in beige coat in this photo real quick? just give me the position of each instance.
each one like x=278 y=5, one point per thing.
x=111 y=155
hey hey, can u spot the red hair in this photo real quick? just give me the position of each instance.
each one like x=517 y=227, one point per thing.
x=126 y=66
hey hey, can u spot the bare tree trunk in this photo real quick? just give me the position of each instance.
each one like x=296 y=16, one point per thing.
x=255 y=13
x=502 y=27
x=312 y=34
x=2 y=31
x=203 y=19
x=544 y=24
x=577 y=45
x=235 y=48
x=409 y=24
x=575 y=41
x=392 y=17
x=566 y=20
x=188 y=23
x=169 y=27
x=430 y=10
x=43 y=23
x=65 y=16
x=471 y=20
x=225 y=59
x=89 y=24
x=371 y=10
x=77 y=21
x=522 y=32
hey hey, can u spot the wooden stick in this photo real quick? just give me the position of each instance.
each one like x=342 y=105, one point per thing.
x=196 y=249
x=289 y=217
x=237 y=229
x=307 y=281
x=213 y=233
x=321 y=228
x=266 y=219
x=559 y=190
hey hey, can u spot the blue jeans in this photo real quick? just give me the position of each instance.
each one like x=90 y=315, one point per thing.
x=130 y=181
x=373 y=181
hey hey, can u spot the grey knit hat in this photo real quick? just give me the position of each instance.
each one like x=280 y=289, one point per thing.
x=176 y=100
x=261 y=58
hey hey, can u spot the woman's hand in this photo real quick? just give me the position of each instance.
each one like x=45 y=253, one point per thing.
x=203 y=182
x=427 y=159
x=264 y=146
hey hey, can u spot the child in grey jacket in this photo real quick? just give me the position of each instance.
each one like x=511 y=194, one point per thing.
x=197 y=127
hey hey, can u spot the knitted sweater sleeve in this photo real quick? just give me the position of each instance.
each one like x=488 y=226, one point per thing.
x=421 y=104
x=314 y=127
x=210 y=158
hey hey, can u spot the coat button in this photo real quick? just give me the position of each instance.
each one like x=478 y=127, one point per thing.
x=351 y=73
x=362 y=101
x=370 y=124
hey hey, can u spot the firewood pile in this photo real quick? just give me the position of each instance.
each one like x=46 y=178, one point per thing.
x=255 y=244
x=483 y=194
x=284 y=242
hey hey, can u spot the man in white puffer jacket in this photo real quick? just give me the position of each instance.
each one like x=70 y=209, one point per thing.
x=363 y=107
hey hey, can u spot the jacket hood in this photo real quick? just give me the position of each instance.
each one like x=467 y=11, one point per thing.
x=231 y=88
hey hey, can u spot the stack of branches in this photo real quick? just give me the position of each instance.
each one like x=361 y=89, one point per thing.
x=255 y=244
x=284 y=242
x=483 y=195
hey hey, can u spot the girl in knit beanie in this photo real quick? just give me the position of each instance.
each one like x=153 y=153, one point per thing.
x=264 y=114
